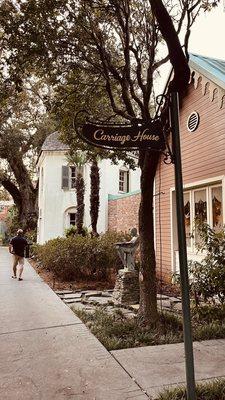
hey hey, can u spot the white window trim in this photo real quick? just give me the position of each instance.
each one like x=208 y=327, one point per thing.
x=212 y=182
x=70 y=177
x=72 y=209
x=124 y=169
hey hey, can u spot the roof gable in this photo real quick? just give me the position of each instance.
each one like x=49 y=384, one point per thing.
x=53 y=143
x=212 y=73
x=211 y=68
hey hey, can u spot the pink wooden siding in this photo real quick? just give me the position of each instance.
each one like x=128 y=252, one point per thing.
x=203 y=157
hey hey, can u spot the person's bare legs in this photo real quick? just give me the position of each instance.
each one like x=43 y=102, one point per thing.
x=15 y=262
x=20 y=267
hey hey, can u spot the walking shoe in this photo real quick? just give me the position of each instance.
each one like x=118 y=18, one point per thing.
x=14 y=277
x=20 y=279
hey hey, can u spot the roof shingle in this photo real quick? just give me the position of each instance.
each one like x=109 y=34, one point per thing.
x=53 y=143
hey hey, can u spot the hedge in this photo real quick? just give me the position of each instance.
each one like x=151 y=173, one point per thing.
x=81 y=257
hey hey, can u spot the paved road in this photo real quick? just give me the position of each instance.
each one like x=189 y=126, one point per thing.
x=46 y=352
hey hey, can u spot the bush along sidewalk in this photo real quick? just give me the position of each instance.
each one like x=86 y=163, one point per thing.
x=81 y=257
x=214 y=390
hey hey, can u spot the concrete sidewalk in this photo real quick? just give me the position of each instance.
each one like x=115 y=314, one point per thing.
x=158 y=367
x=46 y=352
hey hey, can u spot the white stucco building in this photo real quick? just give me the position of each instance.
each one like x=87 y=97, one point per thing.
x=57 y=197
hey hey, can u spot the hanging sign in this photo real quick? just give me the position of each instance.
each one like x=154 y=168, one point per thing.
x=147 y=135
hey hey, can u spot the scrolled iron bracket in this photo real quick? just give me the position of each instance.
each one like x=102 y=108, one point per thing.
x=163 y=102
x=75 y=124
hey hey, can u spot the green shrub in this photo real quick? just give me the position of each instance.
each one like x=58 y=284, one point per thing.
x=78 y=257
x=208 y=276
x=209 y=313
x=71 y=231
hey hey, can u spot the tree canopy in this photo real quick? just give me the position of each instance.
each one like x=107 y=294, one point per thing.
x=22 y=131
x=104 y=55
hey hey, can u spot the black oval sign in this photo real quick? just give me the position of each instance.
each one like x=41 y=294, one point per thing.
x=145 y=136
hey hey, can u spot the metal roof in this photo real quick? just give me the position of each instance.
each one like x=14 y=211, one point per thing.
x=211 y=68
x=53 y=143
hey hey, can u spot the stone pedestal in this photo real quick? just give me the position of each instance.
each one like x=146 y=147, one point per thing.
x=126 y=290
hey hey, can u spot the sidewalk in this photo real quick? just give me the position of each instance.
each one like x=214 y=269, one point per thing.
x=46 y=353
x=158 y=367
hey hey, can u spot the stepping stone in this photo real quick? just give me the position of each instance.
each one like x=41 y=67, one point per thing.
x=63 y=291
x=69 y=301
x=106 y=294
x=93 y=293
x=135 y=306
x=100 y=300
x=162 y=297
x=164 y=304
x=174 y=300
x=72 y=296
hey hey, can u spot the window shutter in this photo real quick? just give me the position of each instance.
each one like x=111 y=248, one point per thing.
x=128 y=181
x=65 y=177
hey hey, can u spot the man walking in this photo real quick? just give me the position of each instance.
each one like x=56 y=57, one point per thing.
x=17 y=247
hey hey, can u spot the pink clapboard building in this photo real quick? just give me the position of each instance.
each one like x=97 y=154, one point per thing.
x=202 y=130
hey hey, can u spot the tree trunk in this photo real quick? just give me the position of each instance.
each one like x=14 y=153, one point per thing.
x=148 y=313
x=94 y=197
x=28 y=214
x=80 y=202
x=28 y=211
x=24 y=198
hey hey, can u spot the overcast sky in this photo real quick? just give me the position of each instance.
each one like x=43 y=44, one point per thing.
x=208 y=34
x=207 y=39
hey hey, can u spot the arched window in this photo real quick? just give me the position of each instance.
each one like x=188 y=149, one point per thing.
x=70 y=217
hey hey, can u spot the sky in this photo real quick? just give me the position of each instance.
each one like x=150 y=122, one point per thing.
x=208 y=33
x=207 y=39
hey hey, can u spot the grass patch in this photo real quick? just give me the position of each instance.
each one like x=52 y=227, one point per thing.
x=214 y=390
x=116 y=331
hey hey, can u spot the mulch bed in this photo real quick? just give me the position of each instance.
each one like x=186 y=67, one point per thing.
x=56 y=284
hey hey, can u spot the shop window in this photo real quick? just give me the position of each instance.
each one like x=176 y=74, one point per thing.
x=203 y=205
x=216 y=206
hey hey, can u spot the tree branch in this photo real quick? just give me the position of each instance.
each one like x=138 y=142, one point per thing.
x=176 y=55
x=12 y=190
